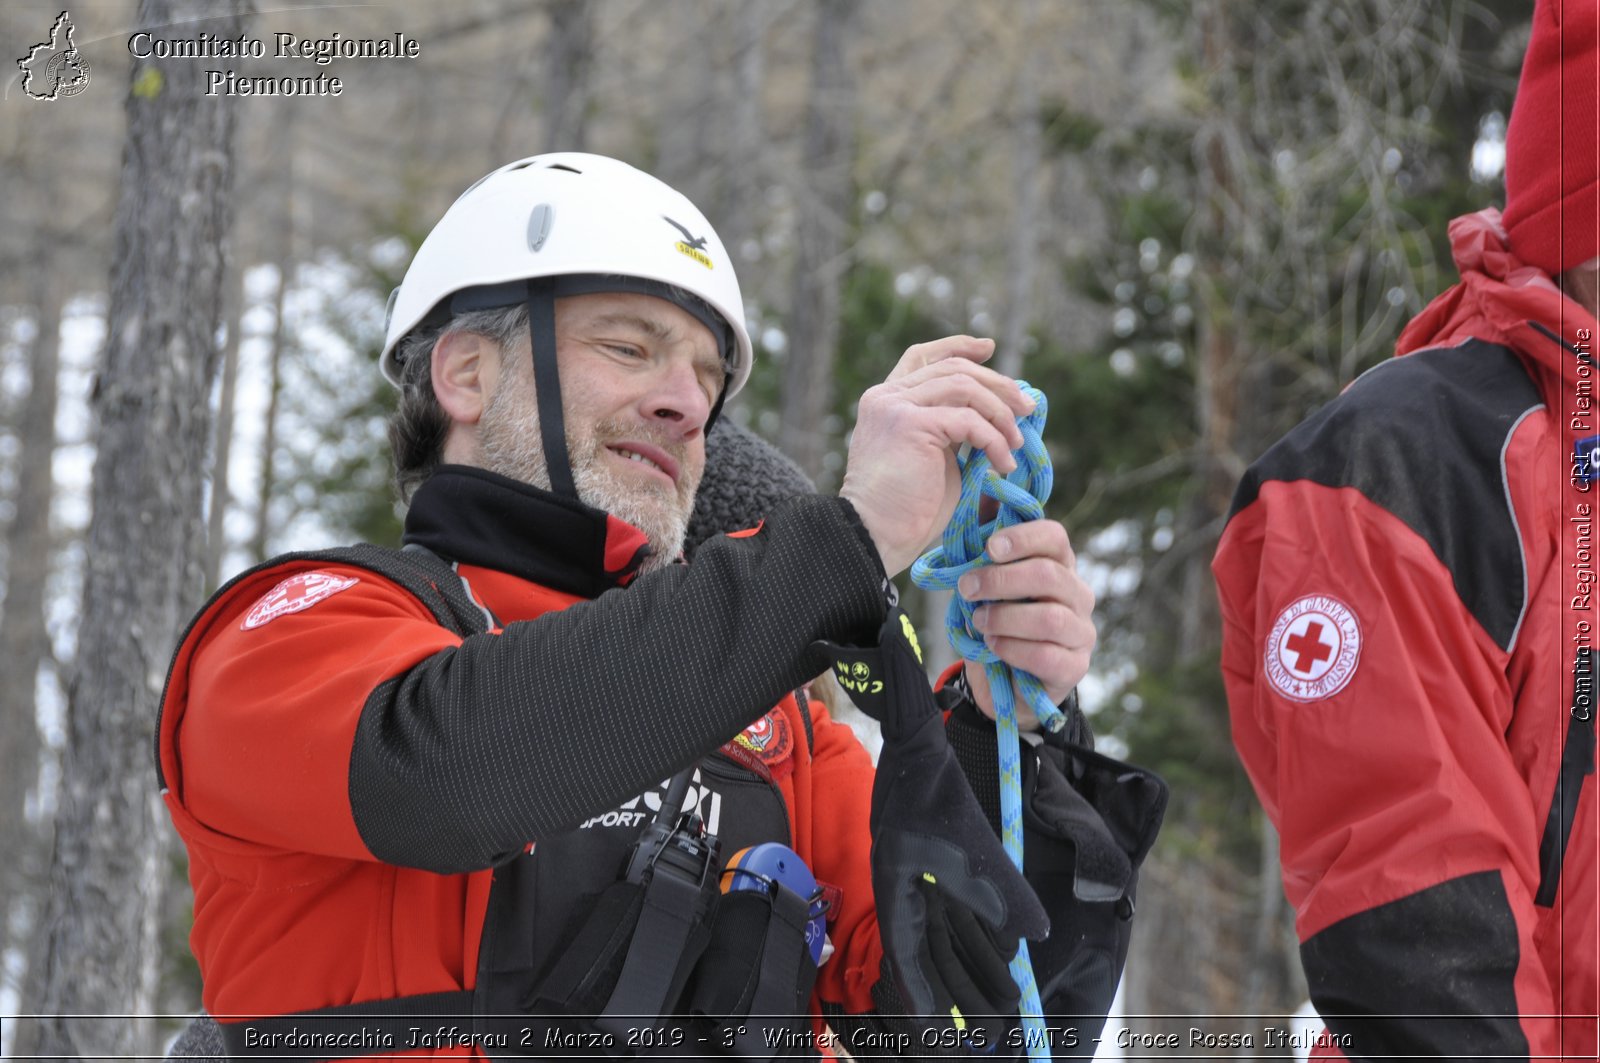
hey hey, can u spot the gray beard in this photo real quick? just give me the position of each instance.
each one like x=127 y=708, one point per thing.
x=511 y=445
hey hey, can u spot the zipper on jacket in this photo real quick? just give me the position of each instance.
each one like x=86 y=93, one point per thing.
x=1577 y=762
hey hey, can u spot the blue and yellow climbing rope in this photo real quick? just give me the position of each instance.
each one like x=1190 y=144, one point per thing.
x=1021 y=497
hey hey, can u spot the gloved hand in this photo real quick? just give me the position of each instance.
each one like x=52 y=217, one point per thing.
x=938 y=869
x=1088 y=822
x=971 y=978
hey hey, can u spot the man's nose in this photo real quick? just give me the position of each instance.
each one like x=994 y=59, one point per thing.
x=678 y=397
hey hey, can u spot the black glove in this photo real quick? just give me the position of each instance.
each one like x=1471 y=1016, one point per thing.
x=1088 y=822
x=972 y=986
x=938 y=869
x=974 y=998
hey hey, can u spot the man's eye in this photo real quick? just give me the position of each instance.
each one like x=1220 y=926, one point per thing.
x=625 y=350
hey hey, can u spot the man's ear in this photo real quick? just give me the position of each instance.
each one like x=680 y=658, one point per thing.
x=465 y=369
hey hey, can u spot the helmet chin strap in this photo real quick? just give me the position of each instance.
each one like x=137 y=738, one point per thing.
x=541 y=296
x=716 y=407
x=547 y=388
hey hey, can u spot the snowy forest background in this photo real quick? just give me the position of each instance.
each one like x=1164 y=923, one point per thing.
x=1188 y=223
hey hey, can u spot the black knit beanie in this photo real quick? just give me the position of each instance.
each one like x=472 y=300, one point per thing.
x=745 y=479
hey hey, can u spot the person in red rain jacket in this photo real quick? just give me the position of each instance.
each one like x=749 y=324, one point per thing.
x=1407 y=583
x=410 y=779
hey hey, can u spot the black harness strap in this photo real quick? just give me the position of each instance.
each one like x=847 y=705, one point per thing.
x=779 y=992
x=803 y=702
x=679 y=896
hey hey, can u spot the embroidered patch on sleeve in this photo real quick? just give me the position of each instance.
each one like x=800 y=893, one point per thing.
x=768 y=738
x=1313 y=648
x=294 y=594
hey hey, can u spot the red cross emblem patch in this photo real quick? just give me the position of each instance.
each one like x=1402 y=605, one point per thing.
x=1313 y=648
x=294 y=594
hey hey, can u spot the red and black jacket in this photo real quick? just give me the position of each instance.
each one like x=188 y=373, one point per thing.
x=347 y=769
x=400 y=779
x=1406 y=587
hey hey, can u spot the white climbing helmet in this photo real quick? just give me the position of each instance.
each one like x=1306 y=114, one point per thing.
x=569 y=214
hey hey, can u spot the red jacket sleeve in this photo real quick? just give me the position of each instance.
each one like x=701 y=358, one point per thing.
x=1370 y=710
x=273 y=766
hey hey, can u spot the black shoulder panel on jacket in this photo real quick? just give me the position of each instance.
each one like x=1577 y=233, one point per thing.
x=1424 y=437
x=1429 y=976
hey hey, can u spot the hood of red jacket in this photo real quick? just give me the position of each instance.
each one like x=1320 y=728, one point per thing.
x=1502 y=299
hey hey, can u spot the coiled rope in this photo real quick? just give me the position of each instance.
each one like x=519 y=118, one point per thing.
x=1021 y=496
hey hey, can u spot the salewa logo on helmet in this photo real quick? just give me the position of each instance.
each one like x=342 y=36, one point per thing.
x=54 y=68
x=691 y=245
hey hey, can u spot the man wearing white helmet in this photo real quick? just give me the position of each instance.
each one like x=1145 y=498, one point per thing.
x=428 y=782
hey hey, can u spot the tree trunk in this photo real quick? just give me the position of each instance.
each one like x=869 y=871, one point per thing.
x=1022 y=258
x=1268 y=909
x=685 y=147
x=569 y=57
x=744 y=182
x=267 y=485
x=1223 y=347
x=101 y=950
x=24 y=639
x=824 y=209
x=222 y=454
x=283 y=265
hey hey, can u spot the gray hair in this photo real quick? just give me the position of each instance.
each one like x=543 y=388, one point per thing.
x=419 y=425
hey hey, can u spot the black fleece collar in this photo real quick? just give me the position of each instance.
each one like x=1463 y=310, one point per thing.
x=481 y=518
